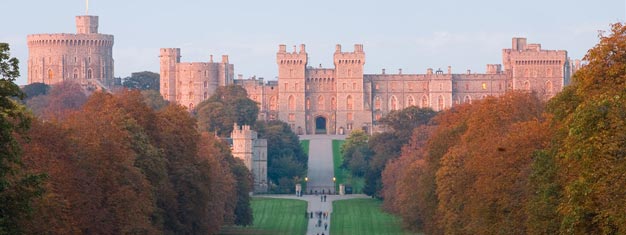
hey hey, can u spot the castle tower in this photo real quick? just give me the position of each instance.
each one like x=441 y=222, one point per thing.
x=190 y=83
x=534 y=69
x=253 y=152
x=353 y=94
x=291 y=85
x=85 y=57
x=169 y=57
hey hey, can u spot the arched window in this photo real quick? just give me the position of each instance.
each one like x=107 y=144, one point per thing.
x=393 y=103
x=50 y=74
x=549 y=86
x=273 y=103
x=377 y=103
x=292 y=103
x=89 y=74
x=467 y=99
x=424 y=102
x=206 y=95
x=349 y=102
x=527 y=85
x=333 y=103
x=320 y=102
x=75 y=73
x=410 y=101
x=440 y=103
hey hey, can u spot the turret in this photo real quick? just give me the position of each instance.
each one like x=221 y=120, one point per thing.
x=86 y=24
x=169 y=57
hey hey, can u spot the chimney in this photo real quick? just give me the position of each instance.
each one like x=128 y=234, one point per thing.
x=225 y=59
x=211 y=58
x=302 y=48
x=338 y=48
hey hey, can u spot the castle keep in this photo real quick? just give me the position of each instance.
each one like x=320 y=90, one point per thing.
x=85 y=57
x=343 y=98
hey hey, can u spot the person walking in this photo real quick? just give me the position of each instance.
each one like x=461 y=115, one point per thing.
x=325 y=226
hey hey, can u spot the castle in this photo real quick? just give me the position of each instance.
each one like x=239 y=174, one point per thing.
x=191 y=83
x=85 y=57
x=340 y=99
x=253 y=151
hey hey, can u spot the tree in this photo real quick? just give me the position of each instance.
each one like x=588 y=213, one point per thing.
x=154 y=99
x=402 y=122
x=63 y=98
x=590 y=139
x=17 y=189
x=145 y=80
x=35 y=89
x=286 y=159
x=229 y=105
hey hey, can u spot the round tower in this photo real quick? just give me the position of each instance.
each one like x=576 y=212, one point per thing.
x=85 y=57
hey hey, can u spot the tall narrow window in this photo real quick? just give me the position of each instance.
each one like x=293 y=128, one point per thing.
x=549 y=86
x=89 y=74
x=273 y=103
x=527 y=85
x=308 y=103
x=424 y=102
x=377 y=103
x=467 y=99
x=333 y=103
x=50 y=74
x=320 y=103
x=292 y=103
x=349 y=102
x=410 y=101
x=440 y=103
x=394 y=103
x=75 y=73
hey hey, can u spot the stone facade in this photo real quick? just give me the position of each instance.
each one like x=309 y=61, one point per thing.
x=340 y=99
x=253 y=151
x=189 y=84
x=85 y=57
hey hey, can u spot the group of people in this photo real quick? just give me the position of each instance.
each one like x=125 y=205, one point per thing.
x=319 y=215
x=323 y=198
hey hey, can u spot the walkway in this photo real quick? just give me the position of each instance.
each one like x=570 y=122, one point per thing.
x=320 y=176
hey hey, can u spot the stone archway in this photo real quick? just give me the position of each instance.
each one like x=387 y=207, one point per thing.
x=321 y=124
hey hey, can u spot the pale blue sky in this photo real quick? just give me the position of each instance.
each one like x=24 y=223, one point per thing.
x=412 y=35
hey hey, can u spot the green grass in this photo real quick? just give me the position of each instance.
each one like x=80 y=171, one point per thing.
x=343 y=176
x=305 y=145
x=274 y=216
x=363 y=217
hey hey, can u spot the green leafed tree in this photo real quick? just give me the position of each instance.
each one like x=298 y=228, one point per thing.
x=229 y=105
x=17 y=189
x=145 y=80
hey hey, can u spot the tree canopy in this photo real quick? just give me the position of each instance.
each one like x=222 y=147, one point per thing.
x=229 y=105
x=145 y=80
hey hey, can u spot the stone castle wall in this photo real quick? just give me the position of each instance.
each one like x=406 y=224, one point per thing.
x=188 y=83
x=85 y=57
x=253 y=152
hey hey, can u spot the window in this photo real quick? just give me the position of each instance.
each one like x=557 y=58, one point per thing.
x=273 y=103
x=89 y=74
x=206 y=84
x=292 y=103
x=333 y=103
x=349 y=117
x=467 y=99
x=286 y=84
x=549 y=86
x=50 y=74
x=75 y=73
x=308 y=103
x=354 y=86
x=377 y=116
x=440 y=103
x=410 y=101
x=295 y=86
x=206 y=95
x=320 y=103
x=292 y=117
x=484 y=86
x=527 y=85
x=377 y=86
x=377 y=103
x=394 y=103
x=349 y=102
x=424 y=102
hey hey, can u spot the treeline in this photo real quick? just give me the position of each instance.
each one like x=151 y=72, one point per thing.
x=517 y=165
x=112 y=164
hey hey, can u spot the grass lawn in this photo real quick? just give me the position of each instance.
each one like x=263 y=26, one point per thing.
x=343 y=176
x=274 y=216
x=305 y=145
x=363 y=217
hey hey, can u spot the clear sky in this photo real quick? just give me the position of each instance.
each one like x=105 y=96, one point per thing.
x=409 y=34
